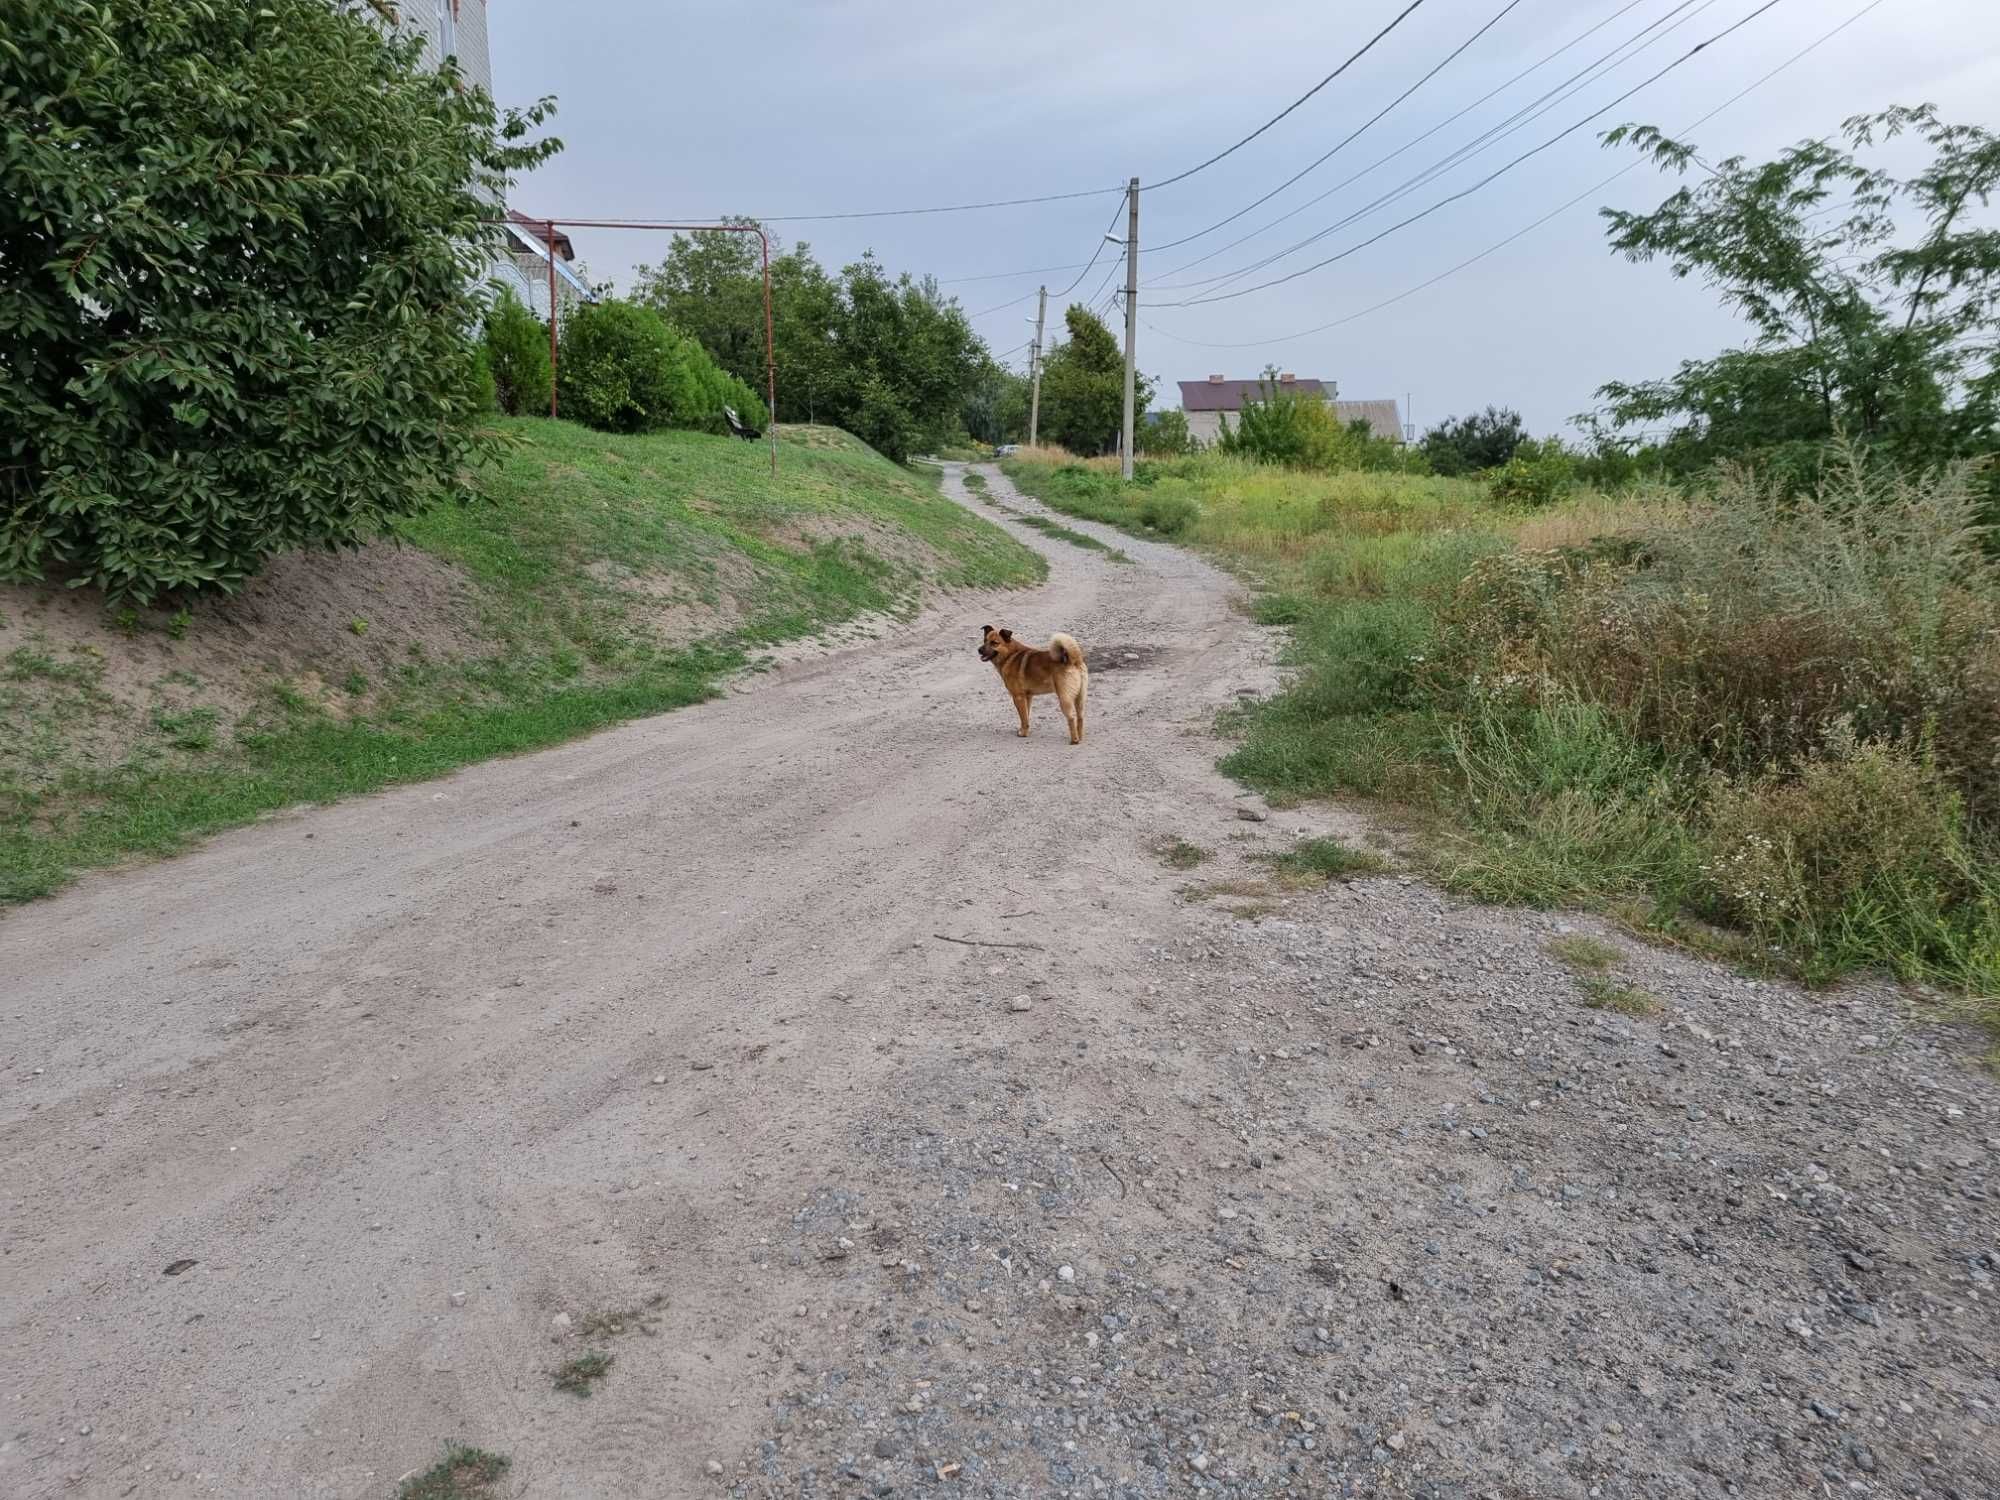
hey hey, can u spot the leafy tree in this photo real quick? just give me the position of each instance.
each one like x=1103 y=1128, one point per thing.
x=889 y=359
x=1472 y=444
x=995 y=406
x=711 y=287
x=1874 y=299
x=1083 y=387
x=240 y=246
x=517 y=356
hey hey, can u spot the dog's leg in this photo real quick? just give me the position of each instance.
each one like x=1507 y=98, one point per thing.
x=1076 y=727
x=1021 y=702
x=1068 y=701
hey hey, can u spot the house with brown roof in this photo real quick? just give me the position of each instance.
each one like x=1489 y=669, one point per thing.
x=1207 y=402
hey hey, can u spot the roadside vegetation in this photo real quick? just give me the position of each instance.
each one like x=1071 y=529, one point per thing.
x=597 y=578
x=1739 y=683
x=1715 y=712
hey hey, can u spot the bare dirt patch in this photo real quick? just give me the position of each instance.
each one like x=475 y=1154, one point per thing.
x=327 y=624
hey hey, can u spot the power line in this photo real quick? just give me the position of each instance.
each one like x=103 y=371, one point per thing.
x=1008 y=275
x=1097 y=250
x=1490 y=177
x=1352 y=136
x=1560 y=209
x=1526 y=115
x=1643 y=40
x=1367 y=47
x=1419 y=140
x=1001 y=307
x=948 y=208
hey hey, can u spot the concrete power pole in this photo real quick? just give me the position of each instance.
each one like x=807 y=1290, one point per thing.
x=1131 y=315
x=1035 y=371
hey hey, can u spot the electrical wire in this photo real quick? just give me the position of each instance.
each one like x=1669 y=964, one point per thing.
x=1000 y=307
x=1490 y=177
x=1366 y=47
x=1512 y=124
x=1009 y=275
x=1351 y=137
x=1555 y=212
x=948 y=208
x=1419 y=140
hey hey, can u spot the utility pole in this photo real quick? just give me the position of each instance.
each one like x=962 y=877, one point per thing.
x=1035 y=370
x=1131 y=314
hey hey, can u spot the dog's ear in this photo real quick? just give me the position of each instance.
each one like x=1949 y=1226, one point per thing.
x=1006 y=635
x=986 y=630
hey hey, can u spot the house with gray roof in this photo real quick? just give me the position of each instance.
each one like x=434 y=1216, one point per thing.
x=1207 y=402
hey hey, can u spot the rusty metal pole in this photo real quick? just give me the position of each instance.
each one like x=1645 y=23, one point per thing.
x=550 y=245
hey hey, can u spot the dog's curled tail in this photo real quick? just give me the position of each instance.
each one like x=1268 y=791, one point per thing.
x=1066 y=649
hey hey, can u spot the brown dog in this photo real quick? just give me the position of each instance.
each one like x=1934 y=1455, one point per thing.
x=1027 y=670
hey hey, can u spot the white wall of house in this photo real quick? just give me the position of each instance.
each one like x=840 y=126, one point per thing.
x=457 y=27
x=1204 y=426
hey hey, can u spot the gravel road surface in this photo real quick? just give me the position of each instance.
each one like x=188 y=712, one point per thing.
x=858 y=1078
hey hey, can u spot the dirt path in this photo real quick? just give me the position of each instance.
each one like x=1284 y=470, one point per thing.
x=1355 y=1198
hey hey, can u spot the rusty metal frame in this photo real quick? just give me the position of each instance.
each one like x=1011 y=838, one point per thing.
x=770 y=328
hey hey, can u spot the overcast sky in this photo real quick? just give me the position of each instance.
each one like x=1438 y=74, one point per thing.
x=807 y=107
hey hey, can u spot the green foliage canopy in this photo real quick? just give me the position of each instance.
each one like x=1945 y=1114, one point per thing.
x=1874 y=299
x=240 y=247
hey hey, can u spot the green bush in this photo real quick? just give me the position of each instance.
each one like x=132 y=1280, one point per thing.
x=1540 y=473
x=1169 y=510
x=517 y=348
x=1165 y=435
x=486 y=391
x=239 y=245
x=622 y=369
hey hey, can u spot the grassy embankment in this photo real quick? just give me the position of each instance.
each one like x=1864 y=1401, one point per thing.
x=601 y=578
x=1768 y=728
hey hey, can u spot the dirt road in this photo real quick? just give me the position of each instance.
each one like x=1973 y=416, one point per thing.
x=336 y=1138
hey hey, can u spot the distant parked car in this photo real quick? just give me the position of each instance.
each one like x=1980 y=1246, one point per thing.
x=1006 y=450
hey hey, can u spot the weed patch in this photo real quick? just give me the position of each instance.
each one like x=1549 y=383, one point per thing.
x=579 y=1376
x=1179 y=854
x=1317 y=861
x=1587 y=955
x=1600 y=993
x=1075 y=538
x=462 y=1474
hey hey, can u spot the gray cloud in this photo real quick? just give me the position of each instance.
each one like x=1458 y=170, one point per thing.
x=803 y=108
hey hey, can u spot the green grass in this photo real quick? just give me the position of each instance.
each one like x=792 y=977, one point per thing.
x=974 y=480
x=1316 y=861
x=1587 y=955
x=1179 y=854
x=576 y=535
x=462 y=1474
x=1075 y=538
x=579 y=1376
x=1600 y=993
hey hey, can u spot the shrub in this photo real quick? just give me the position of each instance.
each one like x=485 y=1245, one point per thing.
x=1165 y=435
x=1471 y=445
x=517 y=348
x=623 y=369
x=486 y=391
x=1169 y=511
x=1866 y=841
x=1540 y=472
x=239 y=244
